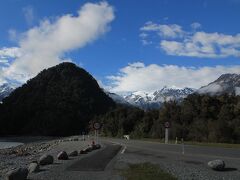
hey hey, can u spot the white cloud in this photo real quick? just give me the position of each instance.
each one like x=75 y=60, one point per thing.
x=45 y=45
x=139 y=77
x=144 y=39
x=12 y=33
x=169 y=31
x=196 y=25
x=28 y=13
x=175 y=41
x=12 y=52
x=2 y=80
x=201 y=44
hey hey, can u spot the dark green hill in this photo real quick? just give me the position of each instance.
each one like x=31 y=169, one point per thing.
x=58 y=101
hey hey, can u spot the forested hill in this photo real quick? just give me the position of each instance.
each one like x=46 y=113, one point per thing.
x=58 y=101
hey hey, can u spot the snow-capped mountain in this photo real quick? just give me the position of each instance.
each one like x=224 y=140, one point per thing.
x=5 y=90
x=226 y=83
x=117 y=98
x=155 y=99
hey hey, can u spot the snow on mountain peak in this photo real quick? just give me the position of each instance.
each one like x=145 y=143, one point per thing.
x=5 y=90
x=226 y=83
x=149 y=100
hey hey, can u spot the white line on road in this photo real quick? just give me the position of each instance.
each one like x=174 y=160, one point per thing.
x=124 y=149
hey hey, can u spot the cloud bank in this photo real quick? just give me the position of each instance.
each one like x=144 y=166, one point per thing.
x=177 y=42
x=45 y=45
x=140 y=77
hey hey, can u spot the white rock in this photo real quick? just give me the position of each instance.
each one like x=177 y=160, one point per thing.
x=46 y=159
x=33 y=167
x=62 y=155
x=217 y=164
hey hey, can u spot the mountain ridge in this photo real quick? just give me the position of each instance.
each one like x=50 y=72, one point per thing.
x=226 y=83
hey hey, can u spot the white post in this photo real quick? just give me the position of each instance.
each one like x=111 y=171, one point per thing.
x=95 y=136
x=166 y=135
x=183 y=149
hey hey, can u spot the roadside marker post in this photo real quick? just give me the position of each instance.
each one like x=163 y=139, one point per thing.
x=183 y=149
x=83 y=136
x=167 y=125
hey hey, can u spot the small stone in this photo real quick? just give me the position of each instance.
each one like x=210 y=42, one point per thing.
x=17 y=174
x=62 y=155
x=73 y=153
x=33 y=167
x=46 y=159
x=218 y=165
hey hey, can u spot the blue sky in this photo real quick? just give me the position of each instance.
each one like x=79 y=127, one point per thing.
x=133 y=45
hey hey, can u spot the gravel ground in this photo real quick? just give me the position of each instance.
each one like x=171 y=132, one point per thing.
x=22 y=155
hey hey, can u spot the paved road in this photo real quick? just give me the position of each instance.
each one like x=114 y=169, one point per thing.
x=189 y=150
x=190 y=165
x=97 y=161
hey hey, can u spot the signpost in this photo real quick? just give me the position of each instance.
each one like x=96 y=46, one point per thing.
x=167 y=126
x=96 y=127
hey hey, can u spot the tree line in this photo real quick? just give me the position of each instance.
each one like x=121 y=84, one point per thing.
x=200 y=118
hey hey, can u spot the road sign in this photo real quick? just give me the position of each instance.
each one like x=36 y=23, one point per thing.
x=167 y=125
x=96 y=126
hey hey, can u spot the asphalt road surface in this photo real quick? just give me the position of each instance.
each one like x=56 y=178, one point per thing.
x=185 y=163
x=96 y=162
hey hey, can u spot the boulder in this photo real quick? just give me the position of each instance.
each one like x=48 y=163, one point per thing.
x=98 y=146
x=88 y=149
x=82 y=151
x=62 y=155
x=94 y=147
x=46 y=159
x=17 y=174
x=73 y=153
x=218 y=165
x=33 y=167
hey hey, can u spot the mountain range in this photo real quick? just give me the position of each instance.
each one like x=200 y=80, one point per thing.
x=5 y=90
x=226 y=83
x=155 y=99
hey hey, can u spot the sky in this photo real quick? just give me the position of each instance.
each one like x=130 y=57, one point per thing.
x=126 y=45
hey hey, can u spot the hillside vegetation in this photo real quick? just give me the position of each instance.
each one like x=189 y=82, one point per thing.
x=58 y=101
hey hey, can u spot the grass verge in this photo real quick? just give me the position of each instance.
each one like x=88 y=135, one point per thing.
x=146 y=171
